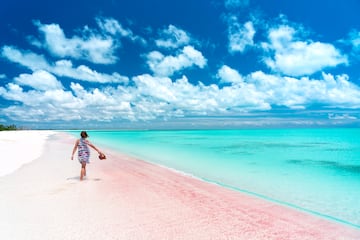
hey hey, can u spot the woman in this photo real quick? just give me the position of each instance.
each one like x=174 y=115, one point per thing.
x=82 y=145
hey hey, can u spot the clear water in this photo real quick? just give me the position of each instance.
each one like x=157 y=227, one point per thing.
x=316 y=170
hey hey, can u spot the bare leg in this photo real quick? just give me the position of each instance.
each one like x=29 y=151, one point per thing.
x=83 y=170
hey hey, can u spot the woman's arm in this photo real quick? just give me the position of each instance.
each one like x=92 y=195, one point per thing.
x=75 y=147
x=93 y=146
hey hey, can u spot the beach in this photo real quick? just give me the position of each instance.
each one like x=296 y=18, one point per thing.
x=127 y=198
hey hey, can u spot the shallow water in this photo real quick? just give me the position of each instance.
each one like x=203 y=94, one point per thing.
x=316 y=170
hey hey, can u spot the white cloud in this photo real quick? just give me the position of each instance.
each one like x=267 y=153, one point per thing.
x=240 y=36
x=159 y=88
x=149 y=98
x=229 y=75
x=63 y=68
x=173 y=37
x=40 y=80
x=52 y=98
x=167 y=65
x=113 y=27
x=297 y=58
x=236 y=3
x=25 y=58
x=11 y=92
x=295 y=93
x=337 y=116
x=330 y=91
x=176 y=98
x=55 y=104
x=355 y=39
x=96 y=46
x=153 y=97
x=93 y=97
x=2 y=76
x=90 y=46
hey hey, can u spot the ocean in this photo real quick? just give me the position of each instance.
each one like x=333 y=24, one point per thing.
x=312 y=170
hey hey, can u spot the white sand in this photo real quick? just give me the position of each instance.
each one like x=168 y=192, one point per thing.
x=124 y=198
x=20 y=147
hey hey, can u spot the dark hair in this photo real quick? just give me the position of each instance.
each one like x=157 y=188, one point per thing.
x=84 y=134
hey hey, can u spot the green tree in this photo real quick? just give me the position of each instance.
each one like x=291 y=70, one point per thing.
x=7 y=127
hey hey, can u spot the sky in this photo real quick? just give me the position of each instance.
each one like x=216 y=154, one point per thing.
x=179 y=64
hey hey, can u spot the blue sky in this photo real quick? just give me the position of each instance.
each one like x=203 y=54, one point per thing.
x=179 y=64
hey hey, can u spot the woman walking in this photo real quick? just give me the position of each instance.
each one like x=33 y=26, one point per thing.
x=82 y=145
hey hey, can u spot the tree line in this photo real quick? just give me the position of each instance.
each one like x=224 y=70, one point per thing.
x=7 y=127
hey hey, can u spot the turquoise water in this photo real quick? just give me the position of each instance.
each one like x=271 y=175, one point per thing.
x=315 y=170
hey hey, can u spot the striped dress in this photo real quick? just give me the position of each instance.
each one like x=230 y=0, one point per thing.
x=83 y=151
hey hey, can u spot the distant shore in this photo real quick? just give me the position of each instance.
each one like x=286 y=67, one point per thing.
x=126 y=198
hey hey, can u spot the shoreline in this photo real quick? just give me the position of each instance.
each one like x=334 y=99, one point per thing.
x=128 y=198
x=244 y=191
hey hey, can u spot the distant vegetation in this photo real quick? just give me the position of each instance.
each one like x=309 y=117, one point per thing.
x=8 y=127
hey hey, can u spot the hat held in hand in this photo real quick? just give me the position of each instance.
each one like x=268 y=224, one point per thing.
x=102 y=156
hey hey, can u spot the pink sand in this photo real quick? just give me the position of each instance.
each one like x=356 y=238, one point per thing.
x=125 y=198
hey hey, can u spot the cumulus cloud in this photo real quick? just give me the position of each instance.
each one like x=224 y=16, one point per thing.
x=152 y=97
x=40 y=80
x=329 y=91
x=63 y=68
x=181 y=98
x=24 y=58
x=294 y=93
x=96 y=46
x=167 y=65
x=88 y=46
x=173 y=37
x=240 y=36
x=229 y=75
x=149 y=98
x=56 y=104
x=297 y=58
x=113 y=27
x=53 y=98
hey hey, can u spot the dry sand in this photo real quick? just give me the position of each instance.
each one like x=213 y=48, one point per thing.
x=125 y=198
x=20 y=147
